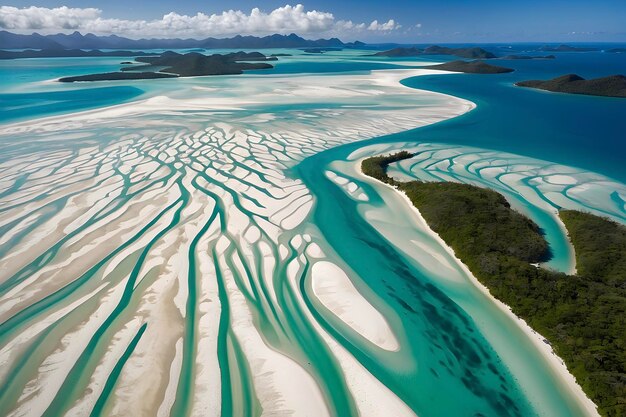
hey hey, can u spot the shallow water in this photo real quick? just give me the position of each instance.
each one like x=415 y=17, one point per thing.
x=182 y=254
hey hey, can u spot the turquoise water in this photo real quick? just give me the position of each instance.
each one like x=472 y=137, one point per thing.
x=28 y=89
x=578 y=131
x=24 y=106
x=451 y=359
x=575 y=130
x=162 y=256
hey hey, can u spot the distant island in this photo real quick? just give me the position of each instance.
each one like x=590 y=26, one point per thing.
x=612 y=86
x=117 y=76
x=68 y=53
x=400 y=52
x=580 y=315
x=472 y=52
x=320 y=50
x=528 y=57
x=471 y=67
x=617 y=50
x=76 y=40
x=172 y=64
x=567 y=48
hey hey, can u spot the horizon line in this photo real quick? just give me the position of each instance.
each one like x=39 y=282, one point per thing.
x=315 y=39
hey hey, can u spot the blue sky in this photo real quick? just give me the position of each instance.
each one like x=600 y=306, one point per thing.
x=374 y=21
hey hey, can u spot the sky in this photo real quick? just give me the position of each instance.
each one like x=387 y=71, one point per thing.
x=374 y=21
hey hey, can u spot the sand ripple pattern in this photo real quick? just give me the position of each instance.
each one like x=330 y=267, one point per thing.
x=542 y=183
x=153 y=258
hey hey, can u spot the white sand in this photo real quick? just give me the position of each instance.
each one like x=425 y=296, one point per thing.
x=186 y=133
x=282 y=385
x=561 y=179
x=336 y=292
x=551 y=358
x=372 y=397
x=207 y=384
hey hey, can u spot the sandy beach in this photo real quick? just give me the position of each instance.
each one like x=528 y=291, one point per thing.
x=550 y=357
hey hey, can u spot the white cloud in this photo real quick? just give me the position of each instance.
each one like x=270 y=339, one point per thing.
x=44 y=18
x=387 y=26
x=286 y=19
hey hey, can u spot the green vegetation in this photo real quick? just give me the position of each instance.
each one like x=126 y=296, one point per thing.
x=376 y=166
x=470 y=52
x=611 y=86
x=600 y=247
x=471 y=67
x=171 y=64
x=582 y=316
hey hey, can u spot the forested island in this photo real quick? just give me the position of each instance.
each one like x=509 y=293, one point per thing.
x=197 y=64
x=117 y=76
x=567 y=48
x=472 y=52
x=471 y=67
x=172 y=64
x=582 y=316
x=400 y=52
x=320 y=50
x=68 y=53
x=612 y=86
x=528 y=57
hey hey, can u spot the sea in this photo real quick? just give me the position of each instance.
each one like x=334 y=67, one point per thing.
x=458 y=352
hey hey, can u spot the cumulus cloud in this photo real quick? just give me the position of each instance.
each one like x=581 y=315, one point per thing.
x=387 y=26
x=286 y=19
x=44 y=18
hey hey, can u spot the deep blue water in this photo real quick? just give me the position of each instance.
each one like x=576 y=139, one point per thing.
x=583 y=131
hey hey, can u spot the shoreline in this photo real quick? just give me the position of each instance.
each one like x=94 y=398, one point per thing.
x=556 y=364
x=158 y=100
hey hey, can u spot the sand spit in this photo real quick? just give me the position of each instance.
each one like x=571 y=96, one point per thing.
x=428 y=256
x=337 y=293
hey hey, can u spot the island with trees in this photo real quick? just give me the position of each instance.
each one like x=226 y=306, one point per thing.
x=582 y=316
x=400 y=52
x=612 y=86
x=320 y=50
x=470 y=52
x=528 y=57
x=567 y=48
x=117 y=76
x=172 y=64
x=68 y=53
x=471 y=67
